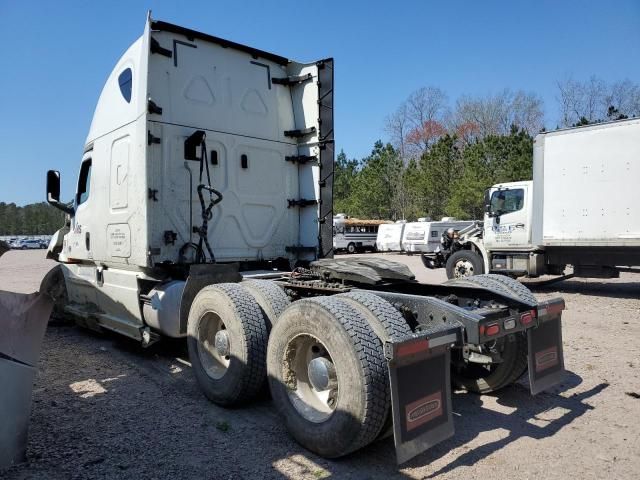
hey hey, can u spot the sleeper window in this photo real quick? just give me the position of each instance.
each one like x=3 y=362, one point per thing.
x=125 y=81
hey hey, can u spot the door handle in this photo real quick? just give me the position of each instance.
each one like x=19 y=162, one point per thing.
x=519 y=225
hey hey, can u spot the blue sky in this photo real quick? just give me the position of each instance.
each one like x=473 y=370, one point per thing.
x=57 y=55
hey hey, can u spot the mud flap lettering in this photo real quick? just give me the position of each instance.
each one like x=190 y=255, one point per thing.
x=546 y=360
x=419 y=370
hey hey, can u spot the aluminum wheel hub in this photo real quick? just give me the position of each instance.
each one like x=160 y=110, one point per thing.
x=322 y=373
x=221 y=343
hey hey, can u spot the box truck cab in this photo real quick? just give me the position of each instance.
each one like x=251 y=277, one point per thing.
x=580 y=210
x=508 y=220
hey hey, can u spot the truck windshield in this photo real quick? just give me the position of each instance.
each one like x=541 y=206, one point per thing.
x=507 y=201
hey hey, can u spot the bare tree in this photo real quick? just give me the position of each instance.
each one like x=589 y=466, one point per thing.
x=624 y=97
x=570 y=99
x=497 y=114
x=418 y=121
x=427 y=104
x=397 y=126
x=594 y=101
x=427 y=109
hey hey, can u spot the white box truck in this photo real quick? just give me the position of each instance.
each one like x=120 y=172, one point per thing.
x=582 y=209
x=203 y=211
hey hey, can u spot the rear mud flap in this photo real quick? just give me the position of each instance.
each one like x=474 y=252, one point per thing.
x=419 y=371
x=546 y=357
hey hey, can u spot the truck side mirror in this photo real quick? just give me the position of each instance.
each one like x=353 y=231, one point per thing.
x=53 y=192
x=487 y=202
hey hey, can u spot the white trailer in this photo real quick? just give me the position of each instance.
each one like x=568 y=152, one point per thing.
x=424 y=237
x=389 y=237
x=581 y=209
x=209 y=168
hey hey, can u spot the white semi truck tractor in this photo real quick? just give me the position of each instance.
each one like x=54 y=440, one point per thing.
x=582 y=209
x=203 y=211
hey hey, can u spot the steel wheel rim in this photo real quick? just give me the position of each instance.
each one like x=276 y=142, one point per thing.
x=464 y=268
x=314 y=404
x=214 y=360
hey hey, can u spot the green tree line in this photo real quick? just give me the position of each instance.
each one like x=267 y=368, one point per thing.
x=33 y=219
x=448 y=179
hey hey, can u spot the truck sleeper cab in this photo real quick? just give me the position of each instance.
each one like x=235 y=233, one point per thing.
x=204 y=211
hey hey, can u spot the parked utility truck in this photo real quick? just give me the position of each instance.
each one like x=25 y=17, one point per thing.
x=204 y=211
x=582 y=209
x=424 y=235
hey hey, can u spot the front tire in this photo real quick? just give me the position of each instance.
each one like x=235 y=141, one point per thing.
x=351 y=248
x=464 y=263
x=345 y=407
x=227 y=341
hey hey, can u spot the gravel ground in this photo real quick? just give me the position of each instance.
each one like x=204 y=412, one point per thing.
x=106 y=408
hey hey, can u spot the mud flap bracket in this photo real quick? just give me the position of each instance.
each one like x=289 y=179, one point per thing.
x=546 y=358
x=419 y=372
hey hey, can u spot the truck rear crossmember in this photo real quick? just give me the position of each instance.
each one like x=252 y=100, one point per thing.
x=422 y=414
x=459 y=316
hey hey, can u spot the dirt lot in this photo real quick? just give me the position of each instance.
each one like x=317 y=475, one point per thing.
x=106 y=408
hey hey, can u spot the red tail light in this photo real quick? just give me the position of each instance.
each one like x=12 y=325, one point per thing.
x=527 y=317
x=491 y=330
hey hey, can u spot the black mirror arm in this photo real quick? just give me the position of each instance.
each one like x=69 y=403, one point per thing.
x=60 y=206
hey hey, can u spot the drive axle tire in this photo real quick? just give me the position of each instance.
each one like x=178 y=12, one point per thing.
x=227 y=340
x=328 y=376
x=485 y=379
x=271 y=298
x=351 y=248
x=516 y=288
x=386 y=322
x=464 y=263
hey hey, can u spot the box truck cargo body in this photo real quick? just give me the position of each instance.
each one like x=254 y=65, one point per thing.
x=585 y=188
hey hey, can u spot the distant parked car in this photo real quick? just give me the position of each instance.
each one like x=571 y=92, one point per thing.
x=29 y=244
